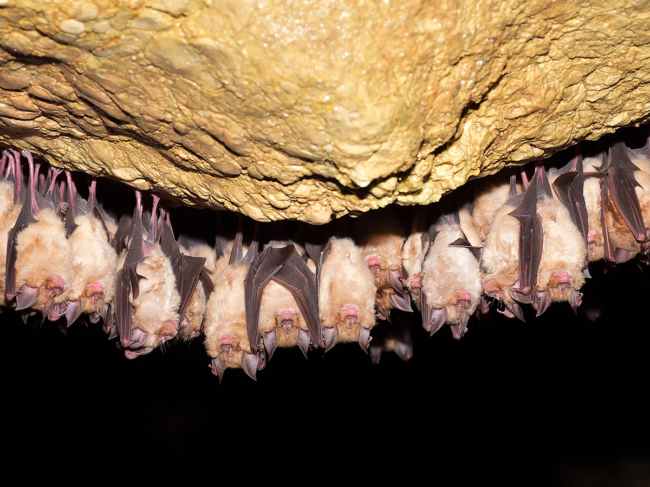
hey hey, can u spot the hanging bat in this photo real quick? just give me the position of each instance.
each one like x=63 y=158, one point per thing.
x=346 y=292
x=6 y=188
x=382 y=250
x=146 y=297
x=512 y=251
x=593 y=204
x=94 y=260
x=563 y=256
x=226 y=334
x=490 y=194
x=451 y=277
x=9 y=211
x=282 y=300
x=190 y=281
x=394 y=338
x=413 y=250
x=38 y=252
x=197 y=248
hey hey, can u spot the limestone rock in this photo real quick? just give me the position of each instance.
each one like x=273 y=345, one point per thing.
x=314 y=109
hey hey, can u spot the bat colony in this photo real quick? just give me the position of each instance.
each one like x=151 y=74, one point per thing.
x=519 y=238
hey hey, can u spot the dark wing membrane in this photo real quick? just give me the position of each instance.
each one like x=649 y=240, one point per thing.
x=569 y=190
x=297 y=278
x=319 y=254
x=122 y=233
x=25 y=217
x=620 y=176
x=462 y=242
x=531 y=237
x=208 y=285
x=192 y=269
x=260 y=272
x=609 y=248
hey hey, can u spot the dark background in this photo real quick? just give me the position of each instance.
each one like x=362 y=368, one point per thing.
x=535 y=403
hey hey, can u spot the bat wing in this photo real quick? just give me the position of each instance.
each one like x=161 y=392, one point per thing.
x=609 y=248
x=260 y=272
x=462 y=242
x=569 y=189
x=531 y=237
x=297 y=278
x=25 y=217
x=122 y=233
x=319 y=254
x=208 y=285
x=621 y=182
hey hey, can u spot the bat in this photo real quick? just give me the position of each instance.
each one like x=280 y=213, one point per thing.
x=413 y=251
x=346 y=293
x=490 y=194
x=146 y=298
x=225 y=326
x=593 y=204
x=94 y=262
x=563 y=255
x=38 y=252
x=451 y=277
x=187 y=274
x=382 y=250
x=509 y=261
x=282 y=300
x=9 y=211
x=197 y=248
x=394 y=338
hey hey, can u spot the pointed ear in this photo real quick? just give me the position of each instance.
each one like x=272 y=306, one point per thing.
x=250 y=363
x=27 y=297
x=542 y=301
x=270 y=342
x=303 y=341
x=217 y=368
x=330 y=337
x=364 y=338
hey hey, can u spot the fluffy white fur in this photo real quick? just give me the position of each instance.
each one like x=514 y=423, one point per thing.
x=500 y=261
x=448 y=274
x=346 y=283
x=6 y=200
x=412 y=257
x=490 y=194
x=43 y=258
x=225 y=318
x=5 y=227
x=591 y=194
x=94 y=264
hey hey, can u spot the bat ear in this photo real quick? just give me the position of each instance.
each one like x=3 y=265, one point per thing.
x=404 y=351
x=249 y=363
x=576 y=300
x=73 y=311
x=270 y=342
x=364 y=338
x=217 y=368
x=331 y=337
x=485 y=305
x=542 y=301
x=303 y=341
x=27 y=297
x=401 y=301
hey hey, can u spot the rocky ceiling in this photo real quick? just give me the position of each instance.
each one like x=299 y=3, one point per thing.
x=316 y=108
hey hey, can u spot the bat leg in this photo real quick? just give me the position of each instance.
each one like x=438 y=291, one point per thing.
x=331 y=337
x=303 y=341
x=217 y=368
x=250 y=363
x=401 y=302
x=27 y=297
x=543 y=301
x=270 y=342
x=364 y=338
x=436 y=318
x=73 y=311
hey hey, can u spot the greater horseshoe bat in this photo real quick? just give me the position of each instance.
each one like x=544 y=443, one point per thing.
x=346 y=293
x=9 y=211
x=451 y=277
x=413 y=251
x=38 y=252
x=225 y=330
x=382 y=250
x=94 y=260
x=147 y=299
x=490 y=194
x=592 y=195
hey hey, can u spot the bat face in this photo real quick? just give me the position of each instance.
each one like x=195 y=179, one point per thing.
x=226 y=335
x=451 y=279
x=192 y=319
x=500 y=261
x=347 y=295
x=43 y=262
x=412 y=257
x=563 y=253
x=155 y=309
x=94 y=264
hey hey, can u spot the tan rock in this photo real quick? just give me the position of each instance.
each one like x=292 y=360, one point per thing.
x=289 y=110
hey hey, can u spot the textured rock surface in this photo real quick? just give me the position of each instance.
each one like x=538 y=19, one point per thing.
x=312 y=109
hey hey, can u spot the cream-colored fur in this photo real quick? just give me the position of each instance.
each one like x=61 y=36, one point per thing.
x=449 y=274
x=207 y=252
x=6 y=200
x=469 y=229
x=44 y=258
x=346 y=283
x=278 y=305
x=412 y=258
x=94 y=264
x=5 y=228
x=156 y=306
x=591 y=192
x=490 y=194
x=195 y=312
x=563 y=251
x=500 y=261
x=225 y=318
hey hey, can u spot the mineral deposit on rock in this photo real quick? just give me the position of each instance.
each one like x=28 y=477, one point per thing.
x=318 y=108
